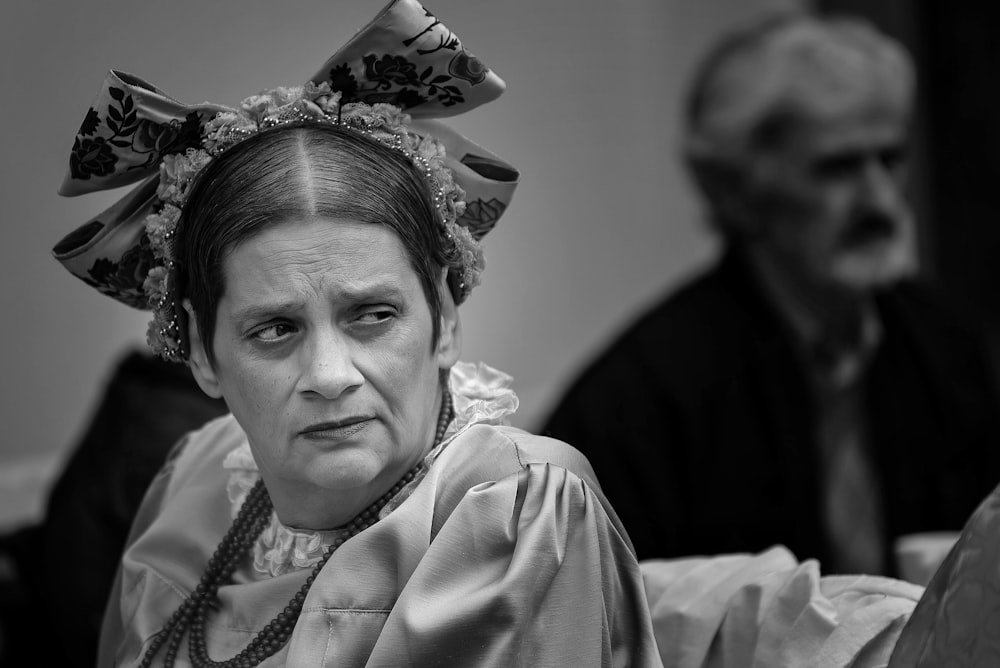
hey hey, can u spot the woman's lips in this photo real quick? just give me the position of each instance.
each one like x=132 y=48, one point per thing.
x=337 y=431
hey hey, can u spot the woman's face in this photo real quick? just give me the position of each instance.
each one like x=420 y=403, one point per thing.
x=324 y=354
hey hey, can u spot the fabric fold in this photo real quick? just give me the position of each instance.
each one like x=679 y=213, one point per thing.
x=770 y=611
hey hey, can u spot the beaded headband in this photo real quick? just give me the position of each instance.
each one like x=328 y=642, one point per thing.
x=404 y=59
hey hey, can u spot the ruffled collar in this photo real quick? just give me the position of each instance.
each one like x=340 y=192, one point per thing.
x=481 y=395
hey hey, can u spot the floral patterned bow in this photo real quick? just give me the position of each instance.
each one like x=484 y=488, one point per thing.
x=404 y=57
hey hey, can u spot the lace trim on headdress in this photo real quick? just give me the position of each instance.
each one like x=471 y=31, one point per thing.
x=481 y=395
x=385 y=123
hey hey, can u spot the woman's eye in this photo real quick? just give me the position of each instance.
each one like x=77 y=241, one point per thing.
x=376 y=314
x=270 y=333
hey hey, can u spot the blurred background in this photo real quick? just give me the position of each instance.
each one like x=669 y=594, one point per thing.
x=604 y=221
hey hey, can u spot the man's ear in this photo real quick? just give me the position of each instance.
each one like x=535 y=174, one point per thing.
x=449 y=343
x=201 y=368
x=724 y=186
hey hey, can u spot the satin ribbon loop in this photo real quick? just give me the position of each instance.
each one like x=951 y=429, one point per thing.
x=405 y=57
x=126 y=132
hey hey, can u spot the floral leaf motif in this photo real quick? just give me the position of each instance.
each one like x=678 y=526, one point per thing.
x=464 y=65
x=390 y=70
x=91 y=122
x=132 y=270
x=480 y=216
x=171 y=137
x=404 y=98
x=91 y=157
x=101 y=269
x=123 y=280
x=448 y=41
x=448 y=95
x=342 y=80
x=190 y=133
x=151 y=136
x=434 y=22
x=127 y=117
x=116 y=93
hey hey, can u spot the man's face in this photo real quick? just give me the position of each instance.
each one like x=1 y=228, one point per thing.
x=828 y=199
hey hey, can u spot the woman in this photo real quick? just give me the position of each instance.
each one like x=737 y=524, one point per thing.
x=363 y=504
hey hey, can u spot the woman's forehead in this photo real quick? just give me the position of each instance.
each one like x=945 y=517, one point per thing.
x=344 y=257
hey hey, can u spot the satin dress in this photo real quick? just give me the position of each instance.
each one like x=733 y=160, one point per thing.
x=503 y=553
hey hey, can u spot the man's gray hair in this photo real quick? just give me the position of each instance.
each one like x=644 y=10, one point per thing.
x=761 y=75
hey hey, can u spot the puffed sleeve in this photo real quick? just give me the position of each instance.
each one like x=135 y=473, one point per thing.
x=530 y=570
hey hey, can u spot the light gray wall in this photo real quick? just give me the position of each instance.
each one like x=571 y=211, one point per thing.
x=603 y=222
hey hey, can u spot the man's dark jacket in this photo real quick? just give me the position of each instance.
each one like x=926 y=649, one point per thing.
x=700 y=424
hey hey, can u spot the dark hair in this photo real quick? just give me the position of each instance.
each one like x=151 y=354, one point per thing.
x=302 y=170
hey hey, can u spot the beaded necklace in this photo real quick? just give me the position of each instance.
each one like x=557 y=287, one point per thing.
x=250 y=522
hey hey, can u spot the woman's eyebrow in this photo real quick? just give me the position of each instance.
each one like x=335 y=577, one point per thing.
x=362 y=291
x=354 y=293
x=258 y=311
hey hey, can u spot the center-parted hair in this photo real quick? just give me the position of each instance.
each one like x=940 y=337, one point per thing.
x=296 y=171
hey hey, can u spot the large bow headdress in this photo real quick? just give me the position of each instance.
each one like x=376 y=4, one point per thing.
x=133 y=132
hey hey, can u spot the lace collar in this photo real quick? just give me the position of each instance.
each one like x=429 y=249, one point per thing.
x=481 y=395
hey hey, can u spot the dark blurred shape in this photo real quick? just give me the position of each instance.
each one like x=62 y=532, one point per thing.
x=960 y=56
x=956 y=47
x=807 y=390
x=699 y=422
x=65 y=566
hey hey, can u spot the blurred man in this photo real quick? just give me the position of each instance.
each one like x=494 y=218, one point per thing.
x=803 y=391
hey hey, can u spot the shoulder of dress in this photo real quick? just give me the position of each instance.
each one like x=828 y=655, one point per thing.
x=499 y=458
x=501 y=450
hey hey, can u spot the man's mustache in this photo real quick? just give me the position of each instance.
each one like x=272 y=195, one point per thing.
x=870 y=228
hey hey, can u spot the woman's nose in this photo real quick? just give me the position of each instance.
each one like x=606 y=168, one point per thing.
x=329 y=368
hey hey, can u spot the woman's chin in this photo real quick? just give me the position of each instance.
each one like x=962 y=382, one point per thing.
x=343 y=473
